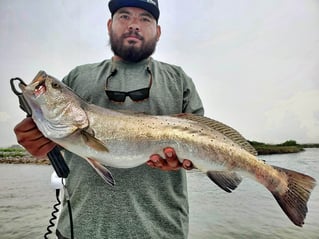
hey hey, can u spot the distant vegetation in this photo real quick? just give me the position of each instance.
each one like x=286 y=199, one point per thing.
x=18 y=155
x=290 y=146
x=310 y=145
x=12 y=152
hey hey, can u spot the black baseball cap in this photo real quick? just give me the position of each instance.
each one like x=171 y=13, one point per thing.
x=149 y=5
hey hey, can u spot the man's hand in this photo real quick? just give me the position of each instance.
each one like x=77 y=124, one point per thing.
x=170 y=162
x=30 y=137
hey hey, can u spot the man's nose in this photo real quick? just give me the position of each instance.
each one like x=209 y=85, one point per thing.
x=134 y=24
x=134 y=28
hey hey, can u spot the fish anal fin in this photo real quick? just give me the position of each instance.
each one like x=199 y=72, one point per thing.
x=226 y=180
x=294 y=201
x=93 y=142
x=102 y=171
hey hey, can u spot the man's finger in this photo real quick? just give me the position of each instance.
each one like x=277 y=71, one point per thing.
x=171 y=158
x=187 y=164
x=156 y=161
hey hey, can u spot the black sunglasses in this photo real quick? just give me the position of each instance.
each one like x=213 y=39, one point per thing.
x=135 y=95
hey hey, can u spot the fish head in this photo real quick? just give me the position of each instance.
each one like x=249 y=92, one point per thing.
x=56 y=109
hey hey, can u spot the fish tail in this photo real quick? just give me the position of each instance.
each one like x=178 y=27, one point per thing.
x=294 y=200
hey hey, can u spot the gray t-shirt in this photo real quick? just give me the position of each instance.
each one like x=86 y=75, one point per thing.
x=145 y=202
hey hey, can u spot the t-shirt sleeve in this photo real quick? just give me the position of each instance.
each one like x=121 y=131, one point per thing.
x=192 y=102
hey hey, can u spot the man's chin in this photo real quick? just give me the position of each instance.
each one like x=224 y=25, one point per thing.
x=132 y=45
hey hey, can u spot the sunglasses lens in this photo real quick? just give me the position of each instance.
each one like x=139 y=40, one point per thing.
x=135 y=95
x=139 y=95
x=116 y=95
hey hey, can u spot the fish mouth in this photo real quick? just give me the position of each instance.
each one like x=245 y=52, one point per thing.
x=37 y=87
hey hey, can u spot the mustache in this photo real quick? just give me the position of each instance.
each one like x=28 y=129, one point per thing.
x=133 y=33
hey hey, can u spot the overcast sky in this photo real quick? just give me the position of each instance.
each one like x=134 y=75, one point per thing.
x=255 y=62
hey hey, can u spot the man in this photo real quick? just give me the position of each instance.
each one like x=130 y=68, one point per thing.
x=145 y=202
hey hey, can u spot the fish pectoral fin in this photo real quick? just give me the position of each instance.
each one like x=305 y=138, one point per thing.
x=93 y=142
x=226 y=180
x=294 y=201
x=102 y=171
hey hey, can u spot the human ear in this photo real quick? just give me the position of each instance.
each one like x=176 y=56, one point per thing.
x=158 y=32
x=109 y=25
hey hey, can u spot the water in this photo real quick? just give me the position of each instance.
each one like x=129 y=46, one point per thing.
x=26 y=200
x=251 y=211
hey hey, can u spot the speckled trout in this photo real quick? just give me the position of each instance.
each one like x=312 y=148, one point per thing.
x=106 y=137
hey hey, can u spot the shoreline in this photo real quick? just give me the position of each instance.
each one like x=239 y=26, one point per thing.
x=28 y=159
x=25 y=160
x=18 y=155
x=279 y=150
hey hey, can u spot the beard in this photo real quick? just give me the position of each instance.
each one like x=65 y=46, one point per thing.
x=132 y=53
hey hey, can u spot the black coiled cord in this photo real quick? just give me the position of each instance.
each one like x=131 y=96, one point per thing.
x=53 y=214
x=56 y=210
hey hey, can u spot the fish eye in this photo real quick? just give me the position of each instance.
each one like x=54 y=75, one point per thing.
x=55 y=85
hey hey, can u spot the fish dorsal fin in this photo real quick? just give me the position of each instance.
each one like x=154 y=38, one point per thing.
x=93 y=142
x=226 y=130
x=226 y=180
x=102 y=171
